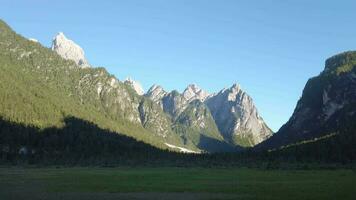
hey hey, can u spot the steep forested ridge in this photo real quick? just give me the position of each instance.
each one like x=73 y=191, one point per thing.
x=40 y=88
x=324 y=120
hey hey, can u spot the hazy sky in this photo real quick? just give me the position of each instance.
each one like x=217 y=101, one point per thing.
x=270 y=48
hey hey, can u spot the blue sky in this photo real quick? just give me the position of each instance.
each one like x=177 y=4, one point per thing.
x=269 y=47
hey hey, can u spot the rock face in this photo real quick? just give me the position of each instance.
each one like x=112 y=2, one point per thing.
x=153 y=118
x=234 y=116
x=135 y=85
x=237 y=117
x=156 y=94
x=327 y=106
x=69 y=50
x=193 y=92
x=112 y=94
x=196 y=125
x=173 y=102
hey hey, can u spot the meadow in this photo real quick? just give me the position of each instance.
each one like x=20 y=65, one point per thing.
x=175 y=183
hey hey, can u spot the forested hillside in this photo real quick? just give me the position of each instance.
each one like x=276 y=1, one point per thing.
x=39 y=88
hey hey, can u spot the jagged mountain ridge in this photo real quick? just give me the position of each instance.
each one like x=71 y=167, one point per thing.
x=69 y=86
x=232 y=110
x=239 y=124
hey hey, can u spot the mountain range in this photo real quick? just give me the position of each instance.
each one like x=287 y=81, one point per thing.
x=44 y=87
x=56 y=82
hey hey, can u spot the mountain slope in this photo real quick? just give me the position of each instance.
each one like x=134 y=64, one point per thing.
x=191 y=118
x=196 y=125
x=40 y=88
x=327 y=106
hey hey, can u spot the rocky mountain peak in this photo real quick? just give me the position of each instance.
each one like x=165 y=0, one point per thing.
x=156 y=89
x=156 y=93
x=237 y=117
x=193 y=92
x=135 y=85
x=235 y=86
x=234 y=91
x=69 y=50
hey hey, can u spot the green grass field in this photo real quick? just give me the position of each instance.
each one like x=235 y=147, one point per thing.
x=175 y=183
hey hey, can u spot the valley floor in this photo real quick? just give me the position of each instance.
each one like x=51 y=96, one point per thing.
x=175 y=183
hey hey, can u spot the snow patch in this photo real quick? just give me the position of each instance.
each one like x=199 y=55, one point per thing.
x=181 y=149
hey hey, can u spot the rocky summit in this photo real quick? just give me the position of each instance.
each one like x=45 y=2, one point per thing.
x=69 y=50
x=237 y=117
x=156 y=94
x=193 y=92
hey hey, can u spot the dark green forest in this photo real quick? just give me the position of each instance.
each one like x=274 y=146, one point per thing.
x=82 y=143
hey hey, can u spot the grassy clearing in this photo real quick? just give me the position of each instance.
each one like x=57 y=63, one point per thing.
x=175 y=183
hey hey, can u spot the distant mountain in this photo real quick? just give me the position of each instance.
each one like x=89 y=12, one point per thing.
x=237 y=117
x=41 y=87
x=327 y=107
x=230 y=114
x=190 y=117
